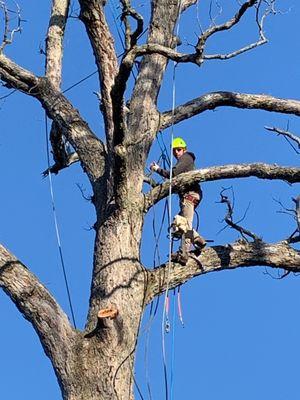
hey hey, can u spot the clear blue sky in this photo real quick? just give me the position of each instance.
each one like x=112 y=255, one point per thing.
x=241 y=327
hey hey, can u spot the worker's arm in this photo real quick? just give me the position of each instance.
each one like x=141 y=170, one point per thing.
x=184 y=164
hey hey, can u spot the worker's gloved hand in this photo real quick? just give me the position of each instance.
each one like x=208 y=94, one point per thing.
x=154 y=166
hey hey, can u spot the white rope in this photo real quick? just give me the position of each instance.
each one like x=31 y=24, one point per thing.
x=56 y=226
x=165 y=321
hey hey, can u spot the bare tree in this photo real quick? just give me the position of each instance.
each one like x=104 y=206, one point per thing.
x=97 y=362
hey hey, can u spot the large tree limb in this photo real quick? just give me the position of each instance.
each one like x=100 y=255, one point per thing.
x=90 y=149
x=38 y=307
x=54 y=41
x=142 y=117
x=216 y=258
x=259 y=170
x=54 y=56
x=92 y=15
x=210 y=101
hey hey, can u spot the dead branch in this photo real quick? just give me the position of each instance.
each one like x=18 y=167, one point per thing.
x=58 y=166
x=295 y=213
x=8 y=33
x=219 y=28
x=259 y=170
x=185 y=4
x=210 y=101
x=229 y=219
x=89 y=148
x=131 y=38
x=261 y=40
x=216 y=258
x=286 y=134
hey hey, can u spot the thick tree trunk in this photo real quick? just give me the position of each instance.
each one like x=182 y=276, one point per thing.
x=101 y=359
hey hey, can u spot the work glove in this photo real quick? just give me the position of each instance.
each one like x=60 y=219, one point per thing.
x=154 y=166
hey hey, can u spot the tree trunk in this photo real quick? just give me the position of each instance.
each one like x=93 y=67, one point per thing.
x=101 y=359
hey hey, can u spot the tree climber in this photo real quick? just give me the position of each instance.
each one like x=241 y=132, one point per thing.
x=189 y=199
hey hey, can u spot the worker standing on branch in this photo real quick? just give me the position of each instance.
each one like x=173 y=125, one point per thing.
x=189 y=199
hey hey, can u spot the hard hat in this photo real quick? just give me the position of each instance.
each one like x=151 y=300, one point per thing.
x=178 y=143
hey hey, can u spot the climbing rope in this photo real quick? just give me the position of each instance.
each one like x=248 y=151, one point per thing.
x=56 y=225
x=165 y=326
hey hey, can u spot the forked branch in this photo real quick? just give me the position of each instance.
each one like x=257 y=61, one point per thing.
x=90 y=149
x=232 y=22
x=8 y=32
x=129 y=11
x=229 y=219
x=287 y=135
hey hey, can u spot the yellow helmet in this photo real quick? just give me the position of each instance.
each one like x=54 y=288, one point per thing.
x=178 y=143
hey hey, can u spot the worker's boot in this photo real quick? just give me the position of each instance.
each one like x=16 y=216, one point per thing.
x=199 y=243
x=179 y=257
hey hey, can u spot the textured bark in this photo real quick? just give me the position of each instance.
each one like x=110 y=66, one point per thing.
x=102 y=42
x=210 y=101
x=259 y=170
x=216 y=258
x=54 y=41
x=97 y=364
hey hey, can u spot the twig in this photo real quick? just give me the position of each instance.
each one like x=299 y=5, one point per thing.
x=286 y=134
x=8 y=34
x=229 y=24
x=228 y=218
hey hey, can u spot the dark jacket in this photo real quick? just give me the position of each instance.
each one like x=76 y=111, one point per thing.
x=185 y=163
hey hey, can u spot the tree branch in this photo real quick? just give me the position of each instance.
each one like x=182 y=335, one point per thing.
x=128 y=10
x=216 y=258
x=286 y=134
x=92 y=15
x=38 y=306
x=210 y=101
x=90 y=149
x=185 y=4
x=234 y=225
x=226 y=26
x=259 y=170
x=54 y=41
x=8 y=33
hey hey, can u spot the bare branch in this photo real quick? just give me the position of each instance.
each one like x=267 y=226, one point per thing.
x=285 y=134
x=297 y=202
x=131 y=38
x=90 y=149
x=229 y=219
x=259 y=170
x=54 y=41
x=226 y=26
x=8 y=34
x=210 y=101
x=185 y=4
x=262 y=39
x=38 y=306
x=92 y=15
x=238 y=254
x=58 y=166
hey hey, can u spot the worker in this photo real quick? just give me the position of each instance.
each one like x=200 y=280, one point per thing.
x=189 y=199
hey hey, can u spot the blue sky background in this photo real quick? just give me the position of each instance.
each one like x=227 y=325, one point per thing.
x=241 y=332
